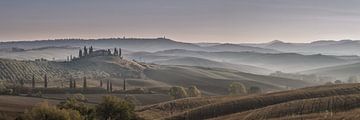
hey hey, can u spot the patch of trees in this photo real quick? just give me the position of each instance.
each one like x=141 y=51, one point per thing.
x=178 y=92
x=90 y=52
x=76 y=108
x=237 y=88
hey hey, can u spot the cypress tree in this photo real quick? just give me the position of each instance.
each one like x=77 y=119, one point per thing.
x=85 y=51
x=80 y=53
x=109 y=52
x=70 y=83
x=120 y=52
x=124 y=87
x=84 y=84
x=33 y=81
x=101 y=83
x=110 y=86
x=45 y=81
x=107 y=85
x=74 y=84
x=91 y=50
x=115 y=52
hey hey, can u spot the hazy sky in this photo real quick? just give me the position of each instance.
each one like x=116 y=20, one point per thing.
x=182 y=20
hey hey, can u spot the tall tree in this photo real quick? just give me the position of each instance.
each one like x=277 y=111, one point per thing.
x=115 y=52
x=120 y=52
x=107 y=85
x=91 y=50
x=124 y=87
x=74 y=83
x=109 y=52
x=101 y=83
x=84 y=84
x=111 y=86
x=33 y=81
x=85 y=51
x=80 y=53
x=70 y=82
x=45 y=81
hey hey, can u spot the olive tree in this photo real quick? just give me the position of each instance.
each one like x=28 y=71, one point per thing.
x=193 y=91
x=114 y=108
x=178 y=92
x=254 y=90
x=44 y=111
x=236 y=88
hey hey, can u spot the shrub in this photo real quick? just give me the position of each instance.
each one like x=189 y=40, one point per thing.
x=254 y=90
x=236 y=88
x=77 y=102
x=193 y=91
x=329 y=83
x=178 y=92
x=46 y=112
x=337 y=81
x=113 y=108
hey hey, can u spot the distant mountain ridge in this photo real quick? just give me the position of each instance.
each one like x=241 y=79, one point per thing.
x=330 y=47
x=132 y=44
x=273 y=61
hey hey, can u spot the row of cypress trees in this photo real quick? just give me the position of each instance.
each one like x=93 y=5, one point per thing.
x=72 y=83
x=85 y=52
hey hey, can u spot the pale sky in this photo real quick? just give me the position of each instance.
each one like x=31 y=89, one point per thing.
x=233 y=21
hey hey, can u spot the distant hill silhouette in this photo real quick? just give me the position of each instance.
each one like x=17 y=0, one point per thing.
x=193 y=61
x=275 y=61
x=331 y=47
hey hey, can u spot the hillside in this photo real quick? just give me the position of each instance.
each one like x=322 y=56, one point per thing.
x=276 y=61
x=96 y=67
x=330 y=101
x=340 y=71
x=193 y=61
x=213 y=81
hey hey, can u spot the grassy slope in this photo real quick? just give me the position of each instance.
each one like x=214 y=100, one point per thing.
x=212 y=81
x=215 y=81
x=311 y=102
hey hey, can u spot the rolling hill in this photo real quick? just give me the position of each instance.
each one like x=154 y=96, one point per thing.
x=272 y=61
x=325 y=102
x=212 y=81
x=340 y=71
x=193 y=61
